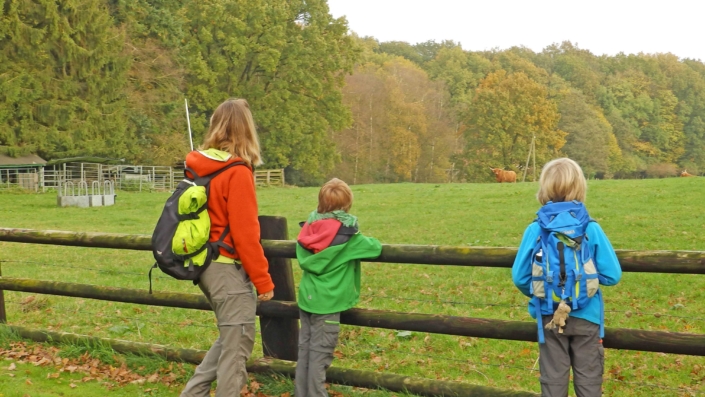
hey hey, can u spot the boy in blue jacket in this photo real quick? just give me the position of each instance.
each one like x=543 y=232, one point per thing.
x=577 y=342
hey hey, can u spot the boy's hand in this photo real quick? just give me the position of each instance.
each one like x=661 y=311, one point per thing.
x=266 y=296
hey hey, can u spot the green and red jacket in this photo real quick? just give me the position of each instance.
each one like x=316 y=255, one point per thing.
x=329 y=255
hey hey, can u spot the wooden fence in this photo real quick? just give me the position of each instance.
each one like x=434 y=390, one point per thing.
x=269 y=177
x=278 y=318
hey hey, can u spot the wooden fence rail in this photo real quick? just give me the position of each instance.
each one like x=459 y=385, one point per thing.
x=269 y=177
x=677 y=262
x=615 y=338
x=343 y=376
x=278 y=318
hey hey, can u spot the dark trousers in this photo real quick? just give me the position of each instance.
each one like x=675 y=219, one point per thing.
x=580 y=347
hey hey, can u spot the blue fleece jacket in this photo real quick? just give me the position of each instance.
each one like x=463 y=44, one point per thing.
x=602 y=253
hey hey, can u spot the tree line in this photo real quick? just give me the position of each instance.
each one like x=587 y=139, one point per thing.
x=623 y=116
x=108 y=78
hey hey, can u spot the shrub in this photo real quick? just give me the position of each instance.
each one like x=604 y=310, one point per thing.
x=661 y=170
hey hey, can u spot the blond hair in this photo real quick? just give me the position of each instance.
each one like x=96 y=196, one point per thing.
x=232 y=129
x=561 y=180
x=334 y=195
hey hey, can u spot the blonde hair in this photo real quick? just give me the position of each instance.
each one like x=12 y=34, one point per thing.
x=232 y=129
x=334 y=195
x=561 y=180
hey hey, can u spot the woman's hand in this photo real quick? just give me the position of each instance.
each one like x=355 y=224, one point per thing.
x=266 y=296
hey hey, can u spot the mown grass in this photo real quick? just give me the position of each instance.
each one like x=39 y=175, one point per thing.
x=636 y=214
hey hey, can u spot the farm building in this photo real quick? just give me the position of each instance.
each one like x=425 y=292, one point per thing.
x=26 y=172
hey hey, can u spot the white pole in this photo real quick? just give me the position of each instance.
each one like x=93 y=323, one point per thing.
x=188 y=121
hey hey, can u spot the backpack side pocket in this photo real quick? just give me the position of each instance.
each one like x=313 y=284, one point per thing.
x=593 y=284
x=537 y=280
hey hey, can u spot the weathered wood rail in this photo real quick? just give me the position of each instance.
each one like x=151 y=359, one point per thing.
x=278 y=317
x=345 y=376
x=616 y=338
x=679 y=262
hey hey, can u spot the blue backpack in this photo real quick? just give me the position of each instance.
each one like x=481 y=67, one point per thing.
x=562 y=266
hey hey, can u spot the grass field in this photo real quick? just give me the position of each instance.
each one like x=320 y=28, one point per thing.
x=636 y=214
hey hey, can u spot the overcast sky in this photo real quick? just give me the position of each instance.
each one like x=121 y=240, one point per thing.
x=603 y=27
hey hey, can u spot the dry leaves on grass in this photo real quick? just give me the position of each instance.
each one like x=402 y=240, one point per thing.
x=94 y=369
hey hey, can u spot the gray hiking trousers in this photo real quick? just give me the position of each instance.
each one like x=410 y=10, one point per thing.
x=317 y=340
x=229 y=291
x=578 y=346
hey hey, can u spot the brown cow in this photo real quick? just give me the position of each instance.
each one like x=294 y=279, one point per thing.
x=504 y=176
x=685 y=173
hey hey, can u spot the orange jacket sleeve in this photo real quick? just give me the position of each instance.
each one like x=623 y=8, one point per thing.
x=244 y=228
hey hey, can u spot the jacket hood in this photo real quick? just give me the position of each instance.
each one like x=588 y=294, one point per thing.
x=318 y=235
x=205 y=162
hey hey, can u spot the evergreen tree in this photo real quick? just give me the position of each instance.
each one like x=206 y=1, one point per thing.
x=62 y=80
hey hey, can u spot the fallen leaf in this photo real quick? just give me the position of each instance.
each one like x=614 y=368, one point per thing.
x=254 y=386
x=29 y=382
x=12 y=367
x=73 y=386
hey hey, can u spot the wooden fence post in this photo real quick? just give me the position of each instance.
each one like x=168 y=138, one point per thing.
x=280 y=336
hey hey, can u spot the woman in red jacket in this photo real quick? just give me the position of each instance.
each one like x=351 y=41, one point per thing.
x=227 y=282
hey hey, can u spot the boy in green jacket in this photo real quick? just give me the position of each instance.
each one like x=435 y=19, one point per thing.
x=329 y=250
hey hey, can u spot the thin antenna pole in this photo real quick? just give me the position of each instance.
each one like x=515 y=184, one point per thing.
x=531 y=147
x=188 y=121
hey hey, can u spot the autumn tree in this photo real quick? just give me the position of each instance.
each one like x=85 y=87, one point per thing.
x=589 y=140
x=506 y=112
x=402 y=129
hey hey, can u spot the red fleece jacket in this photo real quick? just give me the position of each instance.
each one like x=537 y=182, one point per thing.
x=232 y=200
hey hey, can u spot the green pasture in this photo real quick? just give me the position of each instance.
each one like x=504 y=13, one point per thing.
x=663 y=214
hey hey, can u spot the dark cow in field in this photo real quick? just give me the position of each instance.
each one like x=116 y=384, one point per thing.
x=504 y=176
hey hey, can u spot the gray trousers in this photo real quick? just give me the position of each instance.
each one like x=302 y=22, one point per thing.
x=229 y=291
x=578 y=346
x=317 y=340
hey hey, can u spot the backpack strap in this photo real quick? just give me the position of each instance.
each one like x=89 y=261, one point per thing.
x=539 y=318
x=204 y=180
x=150 y=276
x=561 y=262
x=193 y=173
x=193 y=215
x=221 y=244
